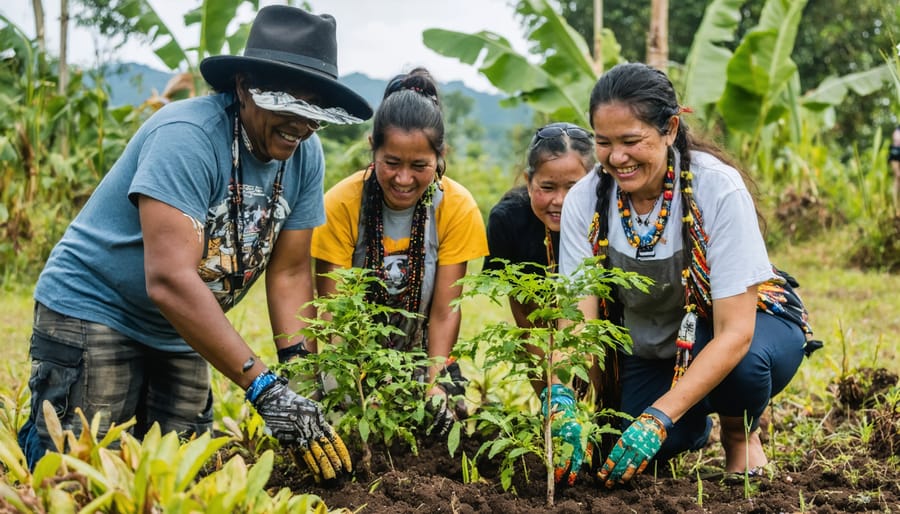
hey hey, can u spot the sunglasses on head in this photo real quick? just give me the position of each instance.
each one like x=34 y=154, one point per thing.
x=557 y=129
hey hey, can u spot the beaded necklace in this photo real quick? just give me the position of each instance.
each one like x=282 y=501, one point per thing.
x=374 y=258
x=236 y=207
x=644 y=244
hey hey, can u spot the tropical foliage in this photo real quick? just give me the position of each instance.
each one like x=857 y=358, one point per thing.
x=750 y=78
x=744 y=89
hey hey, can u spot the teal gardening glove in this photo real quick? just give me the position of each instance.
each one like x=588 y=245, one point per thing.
x=564 y=425
x=638 y=444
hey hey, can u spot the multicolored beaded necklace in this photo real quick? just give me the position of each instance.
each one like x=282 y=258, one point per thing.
x=374 y=226
x=646 y=242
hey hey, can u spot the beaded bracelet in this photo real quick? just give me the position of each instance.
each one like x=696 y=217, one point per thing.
x=260 y=384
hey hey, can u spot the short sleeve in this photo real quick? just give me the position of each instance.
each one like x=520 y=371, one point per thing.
x=177 y=166
x=461 y=233
x=335 y=241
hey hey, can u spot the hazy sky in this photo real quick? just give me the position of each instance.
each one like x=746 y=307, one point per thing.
x=377 y=37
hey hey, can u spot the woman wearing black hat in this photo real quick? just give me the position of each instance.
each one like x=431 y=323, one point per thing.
x=209 y=193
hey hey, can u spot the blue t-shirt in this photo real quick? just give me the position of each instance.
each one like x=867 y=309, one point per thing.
x=181 y=156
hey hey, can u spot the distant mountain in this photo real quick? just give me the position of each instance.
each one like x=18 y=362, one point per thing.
x=132 y=83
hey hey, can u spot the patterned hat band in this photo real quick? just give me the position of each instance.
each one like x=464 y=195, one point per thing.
x=278 y=101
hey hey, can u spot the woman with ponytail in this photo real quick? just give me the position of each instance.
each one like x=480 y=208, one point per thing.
x=415 y=228
x=671 y=207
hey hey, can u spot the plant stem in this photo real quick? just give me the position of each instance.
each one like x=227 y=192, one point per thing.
x=548 y=433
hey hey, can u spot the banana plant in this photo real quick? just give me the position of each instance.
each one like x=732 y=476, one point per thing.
x=757 y=84
x=760 y=73
x=556 y=81
x=213 y=18
x=703 y=77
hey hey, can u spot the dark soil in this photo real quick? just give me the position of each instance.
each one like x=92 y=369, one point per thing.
x=835 y=468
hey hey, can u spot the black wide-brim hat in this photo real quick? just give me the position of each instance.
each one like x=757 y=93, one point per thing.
x=294 y=44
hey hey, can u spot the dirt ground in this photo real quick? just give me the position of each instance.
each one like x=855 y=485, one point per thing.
x=837 y=474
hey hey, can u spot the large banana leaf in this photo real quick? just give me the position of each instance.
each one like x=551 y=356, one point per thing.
x=761 y=69
x=559 y=85
x=832 y=91
x=213 y=17
x=707 y=60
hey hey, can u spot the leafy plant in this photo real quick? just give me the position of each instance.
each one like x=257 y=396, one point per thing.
x=561 y=343
x=373 y=386
x=119 y=473
x=557 y=86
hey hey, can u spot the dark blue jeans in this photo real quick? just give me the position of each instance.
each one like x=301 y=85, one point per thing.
x=774 y=356
x=80 y=364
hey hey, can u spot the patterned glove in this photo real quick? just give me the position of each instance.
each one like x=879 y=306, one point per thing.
x=449 y=407
x=573 y=449
x=638 y=444
x=443 y=418
x=293 y=351
x=296 y=420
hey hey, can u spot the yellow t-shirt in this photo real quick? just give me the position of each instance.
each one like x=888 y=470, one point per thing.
x=460 y=227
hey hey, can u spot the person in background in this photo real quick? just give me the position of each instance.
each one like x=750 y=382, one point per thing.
x=415 y=228
x=209 y=193
x=894 y=163
x=523 y=228
x=671 y=207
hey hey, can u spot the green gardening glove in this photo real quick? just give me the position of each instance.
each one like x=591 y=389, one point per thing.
x=573 y=447
x=638 y=444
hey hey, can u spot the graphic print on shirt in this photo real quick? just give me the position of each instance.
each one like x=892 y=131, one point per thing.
x=395 y=270
x=219 y=266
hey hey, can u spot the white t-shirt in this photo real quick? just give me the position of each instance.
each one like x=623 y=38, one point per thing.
x=736 y=252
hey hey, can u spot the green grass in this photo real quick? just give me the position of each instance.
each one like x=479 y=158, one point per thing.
x=856 y=313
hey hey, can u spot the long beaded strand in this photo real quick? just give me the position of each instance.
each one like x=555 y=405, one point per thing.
x=374 y=226
x=548 y=244
x=694 y=279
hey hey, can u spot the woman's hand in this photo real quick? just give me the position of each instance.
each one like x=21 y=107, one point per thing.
x=639 y=443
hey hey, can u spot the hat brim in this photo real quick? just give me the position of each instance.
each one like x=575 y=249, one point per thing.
x=219 y=72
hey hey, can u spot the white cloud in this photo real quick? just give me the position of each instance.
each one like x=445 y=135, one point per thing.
x=380 y=38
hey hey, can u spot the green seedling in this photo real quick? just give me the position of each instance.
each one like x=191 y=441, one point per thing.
x=373 y=387
x=561 y=343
